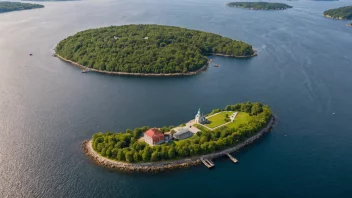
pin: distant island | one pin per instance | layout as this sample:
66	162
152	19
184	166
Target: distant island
342	13
49	0
6	6
147	50
259	5
201	139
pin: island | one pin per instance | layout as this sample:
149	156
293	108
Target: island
342	13
6	6
259	5
202	139
49	0
147	50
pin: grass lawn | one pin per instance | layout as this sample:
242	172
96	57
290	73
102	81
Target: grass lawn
241	118
218	119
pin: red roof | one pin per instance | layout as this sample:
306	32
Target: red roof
155	134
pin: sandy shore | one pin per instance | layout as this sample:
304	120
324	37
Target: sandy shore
167	165
204	68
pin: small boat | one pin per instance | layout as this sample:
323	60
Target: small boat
216	65
84	71
30	54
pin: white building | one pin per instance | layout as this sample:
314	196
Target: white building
154	137
182	133
200	118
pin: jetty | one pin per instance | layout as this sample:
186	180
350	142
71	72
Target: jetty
232	158
208	163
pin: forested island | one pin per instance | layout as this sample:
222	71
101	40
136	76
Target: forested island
344	13
259	5
50	0
17	6
147	49
207	136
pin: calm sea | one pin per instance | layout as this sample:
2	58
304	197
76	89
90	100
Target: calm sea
303	71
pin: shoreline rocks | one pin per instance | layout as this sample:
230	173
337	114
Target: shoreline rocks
168	165
204	68
338	18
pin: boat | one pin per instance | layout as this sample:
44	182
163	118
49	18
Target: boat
216	65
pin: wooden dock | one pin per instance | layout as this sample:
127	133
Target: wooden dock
208	163
232	158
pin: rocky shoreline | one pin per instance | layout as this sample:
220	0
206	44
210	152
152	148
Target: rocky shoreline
204	68
167	165
328	16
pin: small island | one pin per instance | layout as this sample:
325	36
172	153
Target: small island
202	139
259	5
147	50
342	13
17	6
49	0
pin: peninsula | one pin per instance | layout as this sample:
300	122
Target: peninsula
205	137
342	13
259	5
6	6
147	50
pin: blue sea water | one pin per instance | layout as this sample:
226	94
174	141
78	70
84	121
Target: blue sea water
302	71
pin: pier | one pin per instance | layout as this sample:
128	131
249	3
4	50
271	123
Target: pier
232	158
208	163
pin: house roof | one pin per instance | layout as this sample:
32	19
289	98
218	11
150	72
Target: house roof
154	133
181	130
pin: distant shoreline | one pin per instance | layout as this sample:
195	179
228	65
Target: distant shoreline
168	165
204	68
338	18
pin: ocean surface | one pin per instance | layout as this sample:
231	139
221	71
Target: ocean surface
303	72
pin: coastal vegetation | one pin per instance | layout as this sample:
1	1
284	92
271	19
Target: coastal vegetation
339	13
126	147
148	49
17	6
260	5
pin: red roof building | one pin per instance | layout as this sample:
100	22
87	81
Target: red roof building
154	136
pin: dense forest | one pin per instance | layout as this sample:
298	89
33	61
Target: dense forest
260	5
147	48
126	147
16	6
50	0
340	13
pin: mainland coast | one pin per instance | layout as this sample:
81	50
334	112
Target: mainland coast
169	165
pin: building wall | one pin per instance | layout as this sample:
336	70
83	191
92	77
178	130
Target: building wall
184	136
148	140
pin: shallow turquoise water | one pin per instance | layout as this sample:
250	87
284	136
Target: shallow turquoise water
303	71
